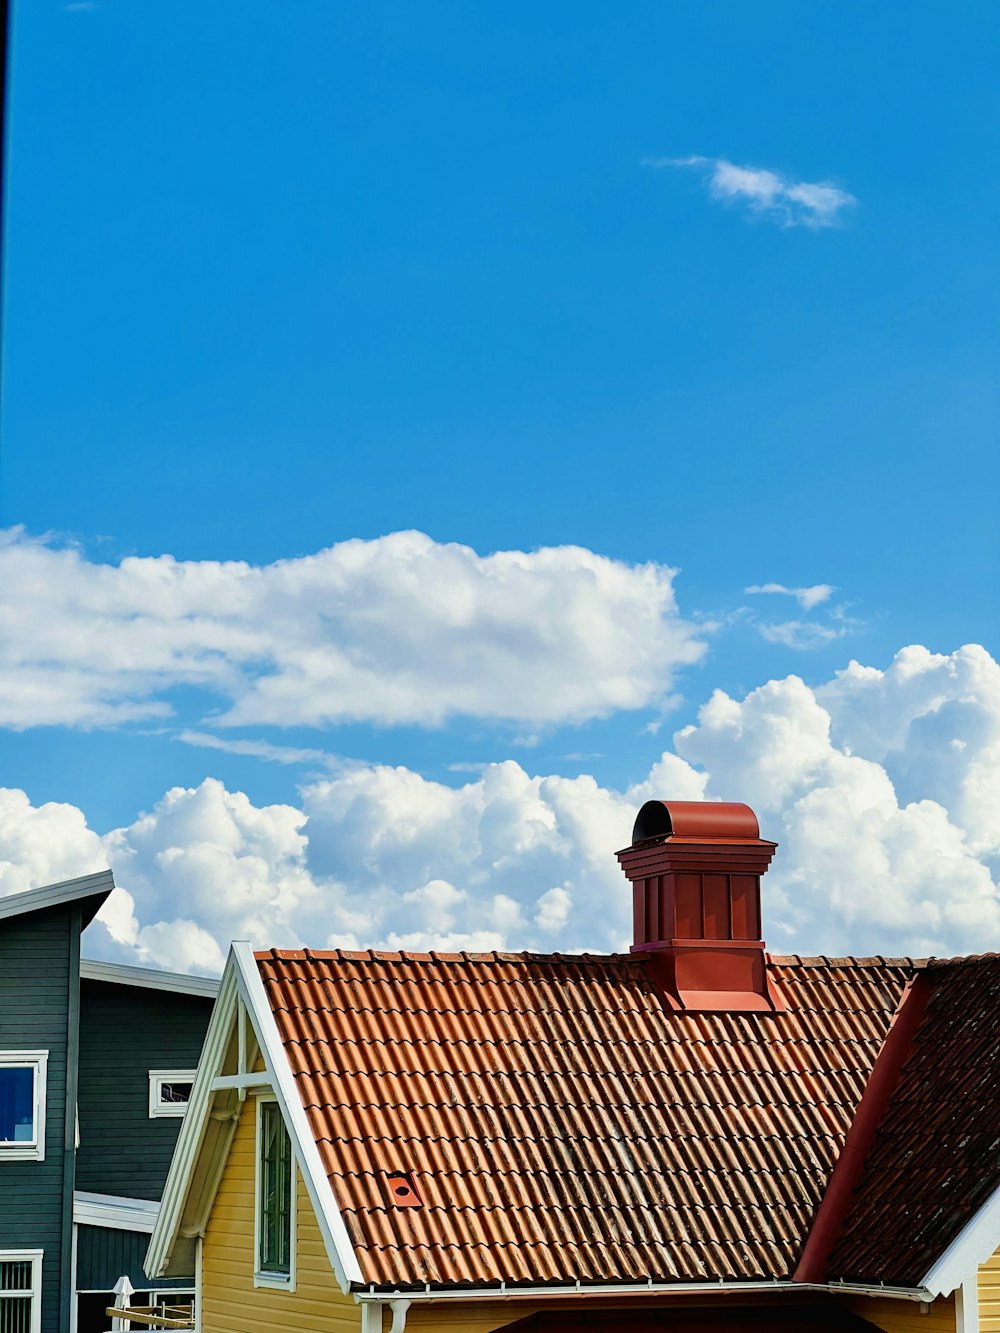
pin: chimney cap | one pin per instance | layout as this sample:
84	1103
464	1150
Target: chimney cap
706	820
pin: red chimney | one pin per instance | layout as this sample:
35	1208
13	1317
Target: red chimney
695	868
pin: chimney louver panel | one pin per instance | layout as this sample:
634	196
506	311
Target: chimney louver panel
695	869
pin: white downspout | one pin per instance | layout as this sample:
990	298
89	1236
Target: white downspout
399	1311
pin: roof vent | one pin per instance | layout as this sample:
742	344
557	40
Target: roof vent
402	1190
695	868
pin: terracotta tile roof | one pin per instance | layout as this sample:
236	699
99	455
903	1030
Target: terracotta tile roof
936	1157
560	1123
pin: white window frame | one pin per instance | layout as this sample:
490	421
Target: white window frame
34	1257
159	1109
37	1061
276	1281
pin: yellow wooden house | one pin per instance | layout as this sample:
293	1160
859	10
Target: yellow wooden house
695	1135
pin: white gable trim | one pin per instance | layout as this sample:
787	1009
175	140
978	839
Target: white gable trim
115	1211
339	1248
192	1133
56	895
973	1245
148	978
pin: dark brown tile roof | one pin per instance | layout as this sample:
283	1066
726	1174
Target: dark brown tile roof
560	1123
936	1157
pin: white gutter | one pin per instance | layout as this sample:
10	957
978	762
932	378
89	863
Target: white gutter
504	1292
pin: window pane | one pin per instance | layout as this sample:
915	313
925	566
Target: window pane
275	1192
175	1093
15	1275
15	1314
17	1105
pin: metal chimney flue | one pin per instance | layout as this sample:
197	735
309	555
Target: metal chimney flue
695	868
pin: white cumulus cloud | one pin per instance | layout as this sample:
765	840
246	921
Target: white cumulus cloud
798	633
397	630
807	598
880	787
792	203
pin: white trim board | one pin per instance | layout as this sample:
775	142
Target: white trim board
147	978
967	1306
114	1211
973	1245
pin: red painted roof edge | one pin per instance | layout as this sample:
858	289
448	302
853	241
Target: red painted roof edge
844	1178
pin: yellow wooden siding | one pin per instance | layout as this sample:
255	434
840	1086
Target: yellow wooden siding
896	1316
471	1317
230	1302
989	1295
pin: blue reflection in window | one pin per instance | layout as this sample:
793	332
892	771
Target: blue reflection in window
17	1104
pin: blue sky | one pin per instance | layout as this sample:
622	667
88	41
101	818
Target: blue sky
283	276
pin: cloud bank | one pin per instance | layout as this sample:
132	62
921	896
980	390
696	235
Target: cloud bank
880	787
398	630
767	193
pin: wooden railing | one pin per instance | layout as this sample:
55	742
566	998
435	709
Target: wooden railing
148	1316
124	1314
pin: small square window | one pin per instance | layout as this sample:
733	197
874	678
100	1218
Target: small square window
169	1091
22	1105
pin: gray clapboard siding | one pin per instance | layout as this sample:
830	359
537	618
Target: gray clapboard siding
34	984
104	1254
125	1032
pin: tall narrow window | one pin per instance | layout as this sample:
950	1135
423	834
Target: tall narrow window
20	1297
275	1198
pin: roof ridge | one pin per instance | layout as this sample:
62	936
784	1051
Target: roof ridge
584	957
439	956
962	960
843	960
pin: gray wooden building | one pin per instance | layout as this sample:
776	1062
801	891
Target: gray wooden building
96	1062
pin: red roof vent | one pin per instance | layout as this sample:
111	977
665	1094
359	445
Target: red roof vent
402	1190
695	868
